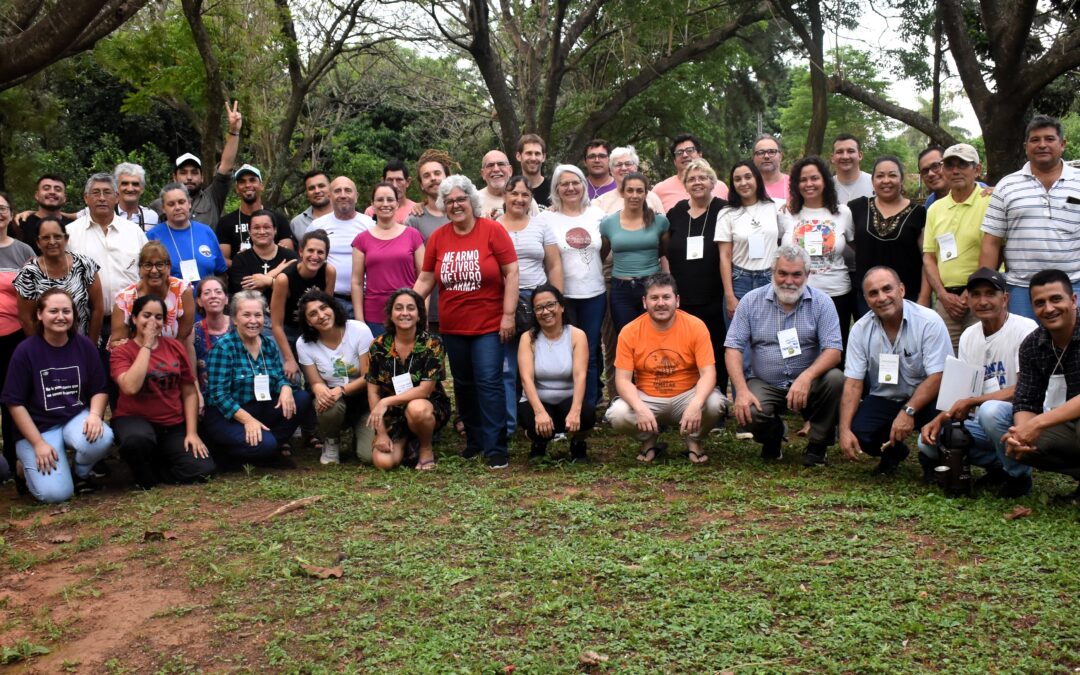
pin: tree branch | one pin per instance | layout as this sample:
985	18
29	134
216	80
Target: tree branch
882	105
963	52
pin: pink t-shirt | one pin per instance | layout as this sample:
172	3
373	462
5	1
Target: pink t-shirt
388	265
403	212
779	189
671	191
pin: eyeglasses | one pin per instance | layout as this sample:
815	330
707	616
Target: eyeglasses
51	237
5	209
697	179
570	183
771	152
625	165
931	168
453	201
101	193
493	165
595	156
685	152
546	307
159	266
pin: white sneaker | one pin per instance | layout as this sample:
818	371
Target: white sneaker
330	452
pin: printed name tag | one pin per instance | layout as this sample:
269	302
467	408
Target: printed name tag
402	383
813	242
695	248
946	247
1055	393
189	270
888	369
991	385
262	387
756	244
245	245
789	343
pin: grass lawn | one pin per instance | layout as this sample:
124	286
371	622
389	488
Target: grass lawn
734	566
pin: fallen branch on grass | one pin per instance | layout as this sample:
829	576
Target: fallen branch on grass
291	506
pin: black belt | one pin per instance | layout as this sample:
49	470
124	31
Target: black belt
955	290
343	296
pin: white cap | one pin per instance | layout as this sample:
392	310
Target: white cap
187	157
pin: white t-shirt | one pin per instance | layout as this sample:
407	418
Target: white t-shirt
999	354
341	234
832	231
862	187
737	224
578	238
337	367
492	206
529	244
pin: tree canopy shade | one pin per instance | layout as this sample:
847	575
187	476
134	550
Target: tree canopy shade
35	33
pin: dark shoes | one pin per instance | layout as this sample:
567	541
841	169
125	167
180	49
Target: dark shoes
772	450
1015	487
815	454
994	477
891	459
579	452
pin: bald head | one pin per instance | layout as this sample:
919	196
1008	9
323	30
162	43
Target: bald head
495	170
343	195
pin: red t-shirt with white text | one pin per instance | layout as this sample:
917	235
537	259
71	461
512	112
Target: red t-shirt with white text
468	270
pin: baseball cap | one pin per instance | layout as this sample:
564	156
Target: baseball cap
992	277
187	157
247	168
963	151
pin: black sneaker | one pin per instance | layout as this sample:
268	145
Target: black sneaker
891	459
499	461
772	450
1070	499
1015	487
994	477
538	451
85	486
579	452
929	469
470	453
815	454
100	470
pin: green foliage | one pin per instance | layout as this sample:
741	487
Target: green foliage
21	651
1071	126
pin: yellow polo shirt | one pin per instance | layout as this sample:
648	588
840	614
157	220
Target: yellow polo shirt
964	221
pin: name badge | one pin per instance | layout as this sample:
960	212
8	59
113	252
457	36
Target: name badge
888	369
245	245
402	383
695	248
814	243
991	385
756	245
189	270
262	387
946	247
789	343
1055	393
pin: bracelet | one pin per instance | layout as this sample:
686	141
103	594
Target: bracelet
234	133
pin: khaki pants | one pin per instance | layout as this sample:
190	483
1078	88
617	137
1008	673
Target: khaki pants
333	420
955	327
668	411
822	408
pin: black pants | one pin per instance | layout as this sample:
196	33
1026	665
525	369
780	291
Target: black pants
845	307
156	453
8	343
558	413
713	316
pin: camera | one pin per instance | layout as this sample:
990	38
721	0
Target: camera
954	468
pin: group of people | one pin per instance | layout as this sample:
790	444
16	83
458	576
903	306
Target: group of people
215	338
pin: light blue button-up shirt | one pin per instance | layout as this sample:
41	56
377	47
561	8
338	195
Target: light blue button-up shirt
922	345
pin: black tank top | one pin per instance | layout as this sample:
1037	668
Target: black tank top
297	287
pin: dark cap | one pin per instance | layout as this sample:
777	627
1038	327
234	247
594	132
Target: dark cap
992	277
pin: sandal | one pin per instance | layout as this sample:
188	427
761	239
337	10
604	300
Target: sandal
312	442
425	465
697	457
657	450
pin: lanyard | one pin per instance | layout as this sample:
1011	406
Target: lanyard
1059	358
408	366
251	361
176	246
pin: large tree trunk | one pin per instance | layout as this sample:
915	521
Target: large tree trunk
210	126
1003	136
815	135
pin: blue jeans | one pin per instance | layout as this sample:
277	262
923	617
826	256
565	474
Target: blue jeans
227	436
377	328
58	486
510	375
1020	300
874	418
476	364
588	315
995	418
626	305
743	281
982	452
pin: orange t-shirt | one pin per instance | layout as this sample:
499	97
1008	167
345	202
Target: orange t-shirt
665	363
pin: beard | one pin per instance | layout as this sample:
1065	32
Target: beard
787	295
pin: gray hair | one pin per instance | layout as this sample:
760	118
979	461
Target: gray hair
100	178
556	200
169	187
244	296
459	182
792	253
130	169
621	151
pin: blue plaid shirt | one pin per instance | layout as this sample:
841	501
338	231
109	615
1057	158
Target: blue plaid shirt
759	317
231	373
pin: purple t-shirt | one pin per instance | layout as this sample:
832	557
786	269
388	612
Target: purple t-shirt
389	264
54	384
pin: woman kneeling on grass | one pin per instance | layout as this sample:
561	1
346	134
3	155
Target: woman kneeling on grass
157	415
55	391
251	410
333	354
408	403
553	360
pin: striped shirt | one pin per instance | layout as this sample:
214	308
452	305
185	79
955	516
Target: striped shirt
1041	228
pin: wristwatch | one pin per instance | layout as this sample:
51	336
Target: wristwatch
909	410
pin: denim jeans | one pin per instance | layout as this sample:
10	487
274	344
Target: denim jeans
743	281
377	328
510	375
476	364
588	315
227	436
57	486
1020	300
626	305
874	418
994	419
